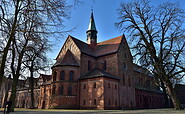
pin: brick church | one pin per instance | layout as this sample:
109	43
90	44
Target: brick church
98	75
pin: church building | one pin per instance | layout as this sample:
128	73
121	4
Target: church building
98	75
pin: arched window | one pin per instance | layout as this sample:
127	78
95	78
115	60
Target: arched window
123	79
53	90
54	76
104	65
69	90
94	101
129	82
62	75
84	86
71	73
94	85
89	65
61	90
108	85
125	66
84	102
115	86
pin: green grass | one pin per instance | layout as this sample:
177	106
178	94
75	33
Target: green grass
64	111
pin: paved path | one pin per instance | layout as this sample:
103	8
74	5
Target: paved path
148	111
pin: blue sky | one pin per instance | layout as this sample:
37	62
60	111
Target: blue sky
105	15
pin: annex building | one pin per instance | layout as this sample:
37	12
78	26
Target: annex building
95	75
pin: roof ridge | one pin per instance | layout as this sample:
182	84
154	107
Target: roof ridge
110	39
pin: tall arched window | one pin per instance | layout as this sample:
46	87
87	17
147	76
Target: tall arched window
61	90
54	76
62	75
89	65
104	65
69	90
53	90
71	73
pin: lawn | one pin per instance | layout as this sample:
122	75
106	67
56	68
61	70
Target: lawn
58	111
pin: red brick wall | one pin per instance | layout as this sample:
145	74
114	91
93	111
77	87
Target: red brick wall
147	99
89	93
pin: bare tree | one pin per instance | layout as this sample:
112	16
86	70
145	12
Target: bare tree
51	14
159	39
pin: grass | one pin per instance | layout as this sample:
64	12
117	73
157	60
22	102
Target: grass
64	111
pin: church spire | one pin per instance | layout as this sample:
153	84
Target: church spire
92	32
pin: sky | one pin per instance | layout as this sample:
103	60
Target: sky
105	16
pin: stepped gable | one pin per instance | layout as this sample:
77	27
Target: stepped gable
95	73
68	60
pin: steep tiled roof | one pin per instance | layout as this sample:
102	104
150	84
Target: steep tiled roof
95	73
108	46
102	48
68	60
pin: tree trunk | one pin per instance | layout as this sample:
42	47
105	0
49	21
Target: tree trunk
32	87
166	100
173	95
13	92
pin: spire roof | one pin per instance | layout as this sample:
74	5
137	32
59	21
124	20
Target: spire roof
92	25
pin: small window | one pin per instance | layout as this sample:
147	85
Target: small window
62	75
84	102
123	79
109	102
94	85
125	66
84	86
61	90
129	83
89	65
108	85
54	76
94	101
104	65
69	90
71	73
53	90
115	86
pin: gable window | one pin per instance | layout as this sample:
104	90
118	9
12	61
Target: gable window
71	73
89	65
104	65
54	76
69	90
61	90
62	75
